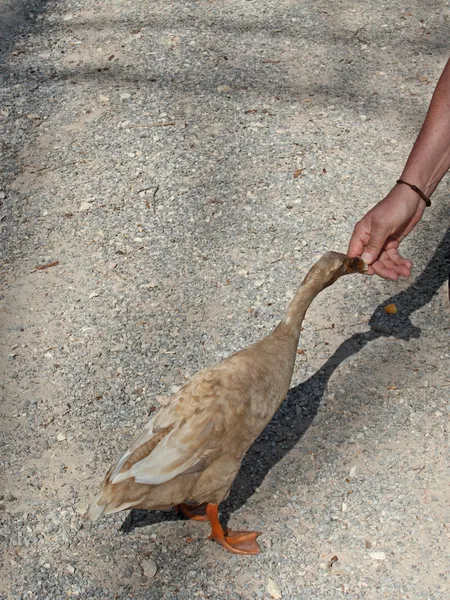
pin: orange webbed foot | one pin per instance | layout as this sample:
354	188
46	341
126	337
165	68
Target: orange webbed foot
239	542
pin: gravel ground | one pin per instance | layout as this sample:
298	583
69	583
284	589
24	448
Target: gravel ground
150	149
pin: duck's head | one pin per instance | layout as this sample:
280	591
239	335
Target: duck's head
333	265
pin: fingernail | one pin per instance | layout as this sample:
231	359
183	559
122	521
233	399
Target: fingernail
367	257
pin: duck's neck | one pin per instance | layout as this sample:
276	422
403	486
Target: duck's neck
292	322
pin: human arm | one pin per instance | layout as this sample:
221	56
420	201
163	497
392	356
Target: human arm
377	236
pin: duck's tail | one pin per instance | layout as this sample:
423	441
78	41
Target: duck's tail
95	510
100	506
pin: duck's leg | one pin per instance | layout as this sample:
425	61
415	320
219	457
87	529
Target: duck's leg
239	542
195	512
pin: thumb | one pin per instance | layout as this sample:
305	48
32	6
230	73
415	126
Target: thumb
374	246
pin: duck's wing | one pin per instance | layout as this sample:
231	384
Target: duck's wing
178	439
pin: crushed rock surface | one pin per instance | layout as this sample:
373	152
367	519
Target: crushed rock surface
151	224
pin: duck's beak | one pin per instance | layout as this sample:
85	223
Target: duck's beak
355	265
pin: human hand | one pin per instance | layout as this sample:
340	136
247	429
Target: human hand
377	236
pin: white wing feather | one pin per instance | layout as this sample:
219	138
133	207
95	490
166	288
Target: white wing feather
180	450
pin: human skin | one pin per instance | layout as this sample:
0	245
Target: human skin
377	236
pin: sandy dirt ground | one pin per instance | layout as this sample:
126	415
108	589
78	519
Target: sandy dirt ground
176	167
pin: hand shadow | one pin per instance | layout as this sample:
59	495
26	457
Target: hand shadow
297	412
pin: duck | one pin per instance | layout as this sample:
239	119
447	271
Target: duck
189	453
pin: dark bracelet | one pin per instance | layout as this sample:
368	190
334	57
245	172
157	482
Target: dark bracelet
416	189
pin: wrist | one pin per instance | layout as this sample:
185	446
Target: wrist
416	190
406	194
425	182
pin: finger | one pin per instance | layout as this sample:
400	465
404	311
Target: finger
393	261
401	262
359	239
401	270
391	270
401	265
378	238
391	244
382	271
404	271
398	259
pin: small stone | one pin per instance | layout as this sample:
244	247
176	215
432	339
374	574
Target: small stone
149	568
81	508
151	284
118	348
70	569
259	283
353	471
60	437
84	206
273	590
93	295
103	99
377	555
223	89
125	96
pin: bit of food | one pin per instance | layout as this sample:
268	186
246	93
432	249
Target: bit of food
390	309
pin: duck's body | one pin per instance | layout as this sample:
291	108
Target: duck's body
190	452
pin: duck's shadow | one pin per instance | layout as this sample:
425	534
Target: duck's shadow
301	405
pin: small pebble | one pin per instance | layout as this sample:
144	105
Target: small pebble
149	568
81	508
118	348
273	589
